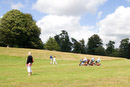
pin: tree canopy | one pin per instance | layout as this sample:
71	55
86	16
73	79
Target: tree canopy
93	43
110	47
129	51
100	51
63	41
78	46
20	30
123	48
51	44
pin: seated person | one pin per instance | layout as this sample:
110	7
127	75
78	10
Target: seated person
98	61
85	59
87	62
92	61
81	62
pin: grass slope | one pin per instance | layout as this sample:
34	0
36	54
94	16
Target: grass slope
114	72
45	54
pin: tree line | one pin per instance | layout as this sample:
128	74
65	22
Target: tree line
94	46
18	29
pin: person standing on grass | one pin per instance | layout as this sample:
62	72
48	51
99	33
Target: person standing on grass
51	58
29	63
54	60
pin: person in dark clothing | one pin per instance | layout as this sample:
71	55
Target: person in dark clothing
29	63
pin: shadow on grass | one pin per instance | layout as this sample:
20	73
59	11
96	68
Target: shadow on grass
34	74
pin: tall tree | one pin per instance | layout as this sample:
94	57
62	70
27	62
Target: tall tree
129	51
110	47
115	53
100	51
123	48
78	46
51	44
19	29
1	42
83	47
63	41
93	43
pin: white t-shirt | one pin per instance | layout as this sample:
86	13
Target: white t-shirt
54	59
98	60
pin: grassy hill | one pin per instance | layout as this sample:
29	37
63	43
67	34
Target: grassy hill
114	72
45	54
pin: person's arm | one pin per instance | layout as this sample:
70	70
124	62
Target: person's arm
32	60
27	60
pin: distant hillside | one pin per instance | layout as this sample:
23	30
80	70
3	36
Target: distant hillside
45	54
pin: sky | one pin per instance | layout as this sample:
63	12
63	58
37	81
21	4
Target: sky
110	19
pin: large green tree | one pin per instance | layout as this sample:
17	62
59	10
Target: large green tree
110	47
19	29
1	42
129	51
51	44
83	47
78	46
63	41
93	43
115	53
123	48
100	51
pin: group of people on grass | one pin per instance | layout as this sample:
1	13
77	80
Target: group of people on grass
91	62
83	62
53	60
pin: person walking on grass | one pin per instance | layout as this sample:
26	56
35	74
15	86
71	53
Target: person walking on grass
29	63
51	58
54	60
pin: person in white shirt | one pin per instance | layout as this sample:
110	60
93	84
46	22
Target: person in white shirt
54	60
92	59
85	59
98	60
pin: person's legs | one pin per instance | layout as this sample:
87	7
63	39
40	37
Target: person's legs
51	61
29	70
55	62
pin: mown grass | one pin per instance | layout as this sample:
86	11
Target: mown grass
112	73
44	54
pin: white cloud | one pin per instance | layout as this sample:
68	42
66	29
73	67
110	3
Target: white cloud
65	15
17	6
99	14
52	25
67	7
115	26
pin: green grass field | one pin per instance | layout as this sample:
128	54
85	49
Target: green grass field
114	72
